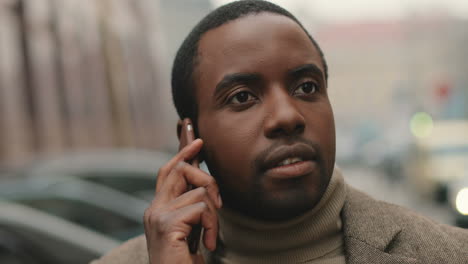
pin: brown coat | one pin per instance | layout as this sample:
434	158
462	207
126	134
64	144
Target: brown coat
374	232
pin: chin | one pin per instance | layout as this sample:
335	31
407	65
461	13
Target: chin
265	202
287	205
272	206
295	198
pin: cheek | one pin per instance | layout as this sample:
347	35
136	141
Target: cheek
322	125
230	144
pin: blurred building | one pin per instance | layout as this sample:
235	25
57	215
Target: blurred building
87	74
78	74
382	72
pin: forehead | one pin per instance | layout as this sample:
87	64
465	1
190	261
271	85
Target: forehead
257	43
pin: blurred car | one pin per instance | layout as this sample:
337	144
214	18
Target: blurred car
97	207
386	156
104	193
440	159
130	171
30	236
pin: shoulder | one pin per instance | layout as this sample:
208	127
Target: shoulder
370	220
133	251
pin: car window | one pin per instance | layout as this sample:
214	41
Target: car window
135	185
9	257
15	249
95	218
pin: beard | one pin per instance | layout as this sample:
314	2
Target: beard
255	201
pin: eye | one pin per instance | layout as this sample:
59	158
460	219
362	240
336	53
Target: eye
306	88
241	97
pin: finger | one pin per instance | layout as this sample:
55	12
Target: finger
210	232
185	154
209	222
185	200
198	213
184	174
197	195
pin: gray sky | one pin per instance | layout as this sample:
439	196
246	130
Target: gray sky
352	10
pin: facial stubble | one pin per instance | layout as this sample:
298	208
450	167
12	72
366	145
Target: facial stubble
295	198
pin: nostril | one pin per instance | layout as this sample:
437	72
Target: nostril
299	128
277	131
287	131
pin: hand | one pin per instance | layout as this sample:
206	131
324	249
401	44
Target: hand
174	210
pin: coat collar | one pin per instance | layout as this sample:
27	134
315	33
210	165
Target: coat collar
370	232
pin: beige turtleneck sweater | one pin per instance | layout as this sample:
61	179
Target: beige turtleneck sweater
315	237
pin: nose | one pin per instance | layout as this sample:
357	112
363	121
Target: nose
284	118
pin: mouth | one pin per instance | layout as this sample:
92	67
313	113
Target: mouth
290	161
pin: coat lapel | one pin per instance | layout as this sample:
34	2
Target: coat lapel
370	234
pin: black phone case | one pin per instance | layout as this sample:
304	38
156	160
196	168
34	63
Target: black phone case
186	137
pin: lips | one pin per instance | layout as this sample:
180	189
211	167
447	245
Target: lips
288	155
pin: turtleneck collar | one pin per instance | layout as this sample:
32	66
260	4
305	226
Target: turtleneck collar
313	235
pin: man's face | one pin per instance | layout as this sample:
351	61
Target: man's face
263	103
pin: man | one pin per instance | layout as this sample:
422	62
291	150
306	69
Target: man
254	82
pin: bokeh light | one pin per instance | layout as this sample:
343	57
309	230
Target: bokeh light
421	125
461	201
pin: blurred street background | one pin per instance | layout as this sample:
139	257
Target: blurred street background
86	114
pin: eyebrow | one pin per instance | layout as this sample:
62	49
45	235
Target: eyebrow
236	78
306	68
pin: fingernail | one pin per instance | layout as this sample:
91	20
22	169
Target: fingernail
220	201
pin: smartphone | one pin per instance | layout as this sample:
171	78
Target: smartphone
187	135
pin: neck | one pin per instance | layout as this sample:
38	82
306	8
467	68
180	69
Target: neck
313	234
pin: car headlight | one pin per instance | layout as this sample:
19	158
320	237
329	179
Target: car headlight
461	202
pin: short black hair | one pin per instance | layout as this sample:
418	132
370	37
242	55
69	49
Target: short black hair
183	84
